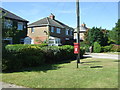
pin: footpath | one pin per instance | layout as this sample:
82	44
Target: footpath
102	55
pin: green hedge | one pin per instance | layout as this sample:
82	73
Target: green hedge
111	48
16	57
97	47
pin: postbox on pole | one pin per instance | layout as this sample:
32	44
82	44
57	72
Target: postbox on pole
76	48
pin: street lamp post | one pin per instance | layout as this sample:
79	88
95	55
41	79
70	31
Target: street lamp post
78	28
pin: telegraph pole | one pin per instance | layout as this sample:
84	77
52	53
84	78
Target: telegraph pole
78	28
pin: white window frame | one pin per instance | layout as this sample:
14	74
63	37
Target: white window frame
67	31
52	29
58	30
20	26
32	30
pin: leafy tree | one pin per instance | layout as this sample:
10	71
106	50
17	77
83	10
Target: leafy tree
96	35
115	33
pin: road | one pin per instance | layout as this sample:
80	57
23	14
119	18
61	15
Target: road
102	55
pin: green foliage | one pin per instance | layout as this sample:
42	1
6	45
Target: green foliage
96	35
15	59
106	48
115	33
115	48
85	45
97	47
18	56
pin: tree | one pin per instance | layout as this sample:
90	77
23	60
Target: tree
115	33
96	35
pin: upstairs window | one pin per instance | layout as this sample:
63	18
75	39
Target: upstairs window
32	30
52	29
8	24
20	26
58	30
67	32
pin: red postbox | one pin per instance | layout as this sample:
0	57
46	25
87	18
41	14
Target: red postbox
76	48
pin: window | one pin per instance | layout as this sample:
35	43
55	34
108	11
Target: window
67	39
67	32
22	40
8	40
32	30
52	29
71	32
20	26
8	24
58	30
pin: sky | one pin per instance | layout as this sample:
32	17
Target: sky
98	14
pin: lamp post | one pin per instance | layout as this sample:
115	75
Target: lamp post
78	28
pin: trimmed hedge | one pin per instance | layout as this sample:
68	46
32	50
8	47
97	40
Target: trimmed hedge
16	57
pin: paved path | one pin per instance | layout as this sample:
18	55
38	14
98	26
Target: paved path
6	85
102	55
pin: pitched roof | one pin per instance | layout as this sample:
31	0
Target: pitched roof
10	15
49	21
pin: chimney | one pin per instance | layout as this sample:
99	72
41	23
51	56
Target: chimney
52	16
84	25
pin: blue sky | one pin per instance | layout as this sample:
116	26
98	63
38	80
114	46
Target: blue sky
98	14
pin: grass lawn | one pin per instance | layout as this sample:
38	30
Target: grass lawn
92	73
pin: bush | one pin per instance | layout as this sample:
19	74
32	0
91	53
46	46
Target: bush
106	49
82	51
86	46
16	57
115	48
97	47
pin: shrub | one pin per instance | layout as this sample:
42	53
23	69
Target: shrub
97	47
86	46
115	48
82	51
16	57
106	49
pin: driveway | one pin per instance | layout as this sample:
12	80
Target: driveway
102	55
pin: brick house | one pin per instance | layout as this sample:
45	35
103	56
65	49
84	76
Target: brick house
51	31
82	30
14	28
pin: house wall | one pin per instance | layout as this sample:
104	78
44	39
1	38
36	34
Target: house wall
62	35
39	35
17	34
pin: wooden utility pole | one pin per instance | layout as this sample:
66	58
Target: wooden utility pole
78	28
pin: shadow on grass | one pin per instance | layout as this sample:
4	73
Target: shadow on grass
90	62
96	67
117	61
43	68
